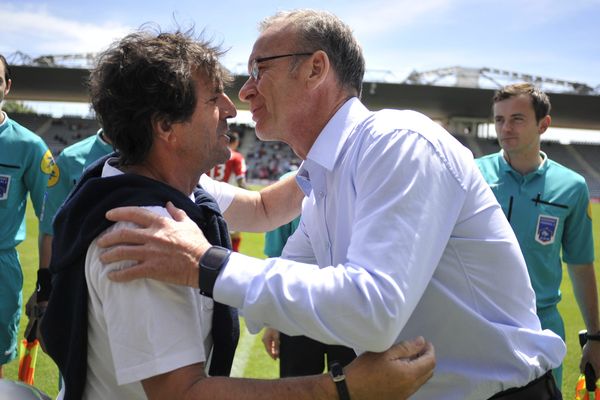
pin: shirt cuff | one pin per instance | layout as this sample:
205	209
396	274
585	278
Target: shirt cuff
235	278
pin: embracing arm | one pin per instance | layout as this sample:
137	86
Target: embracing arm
394	374
262	211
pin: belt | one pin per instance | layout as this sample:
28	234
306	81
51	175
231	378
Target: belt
542	388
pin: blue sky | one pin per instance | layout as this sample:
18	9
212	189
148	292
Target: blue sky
551	38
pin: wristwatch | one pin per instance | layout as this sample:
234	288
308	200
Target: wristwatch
210	266
594	337
337	374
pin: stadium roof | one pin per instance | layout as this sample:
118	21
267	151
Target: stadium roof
442	103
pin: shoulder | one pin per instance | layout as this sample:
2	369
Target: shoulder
387	120
488	161
81	147
564	174
22	134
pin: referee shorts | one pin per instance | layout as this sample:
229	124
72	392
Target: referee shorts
11	284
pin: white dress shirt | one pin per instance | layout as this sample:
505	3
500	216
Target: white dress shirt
401	237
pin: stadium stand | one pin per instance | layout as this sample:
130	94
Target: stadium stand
267	161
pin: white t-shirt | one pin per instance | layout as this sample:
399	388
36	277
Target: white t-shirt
139	329
221	191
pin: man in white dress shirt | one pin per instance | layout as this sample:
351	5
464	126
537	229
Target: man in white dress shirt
400	235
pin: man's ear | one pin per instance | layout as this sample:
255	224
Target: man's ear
162	128
7	88
544	124
319	68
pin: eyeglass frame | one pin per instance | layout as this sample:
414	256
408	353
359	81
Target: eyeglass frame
253	70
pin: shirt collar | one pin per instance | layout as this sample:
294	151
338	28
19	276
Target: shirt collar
505	166
332	138
5	120
110	169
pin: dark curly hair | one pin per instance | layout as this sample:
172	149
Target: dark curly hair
145	76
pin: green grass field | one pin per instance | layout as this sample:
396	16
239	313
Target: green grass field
251	359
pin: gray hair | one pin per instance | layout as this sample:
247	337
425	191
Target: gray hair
321	30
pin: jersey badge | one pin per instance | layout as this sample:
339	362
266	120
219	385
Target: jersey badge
546	229
4	186
54	175
47	163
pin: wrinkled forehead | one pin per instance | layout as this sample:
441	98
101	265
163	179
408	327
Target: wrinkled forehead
274	40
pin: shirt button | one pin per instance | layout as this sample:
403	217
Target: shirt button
321	194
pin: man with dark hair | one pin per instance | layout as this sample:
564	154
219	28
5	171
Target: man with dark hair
400	234
160	99
548	207
25	165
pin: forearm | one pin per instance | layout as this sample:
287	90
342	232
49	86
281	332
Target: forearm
289	296
45	249
318	387
395	374
266	210
583	279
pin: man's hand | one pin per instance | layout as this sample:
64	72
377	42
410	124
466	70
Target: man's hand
395	374
271	341
591	354
35	311
165	249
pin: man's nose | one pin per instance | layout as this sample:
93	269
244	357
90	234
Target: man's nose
228	109
247	90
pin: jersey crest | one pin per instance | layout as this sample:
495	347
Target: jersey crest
4	186
54	175
546	229
47	163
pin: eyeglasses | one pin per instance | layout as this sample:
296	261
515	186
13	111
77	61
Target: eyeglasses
253	72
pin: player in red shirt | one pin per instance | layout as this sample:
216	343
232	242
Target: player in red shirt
233	169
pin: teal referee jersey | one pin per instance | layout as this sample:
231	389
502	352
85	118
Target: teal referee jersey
25	166
549	210
69	167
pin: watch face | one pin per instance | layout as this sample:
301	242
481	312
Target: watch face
336	370
215	257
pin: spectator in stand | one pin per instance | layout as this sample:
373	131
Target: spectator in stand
26	163
233	169
548	207
298	355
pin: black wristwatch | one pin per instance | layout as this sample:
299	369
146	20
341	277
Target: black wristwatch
210	266
594	337
337	374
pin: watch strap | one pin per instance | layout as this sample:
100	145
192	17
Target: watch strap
211	263
337	374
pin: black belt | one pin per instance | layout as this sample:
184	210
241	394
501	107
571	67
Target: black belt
542	388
